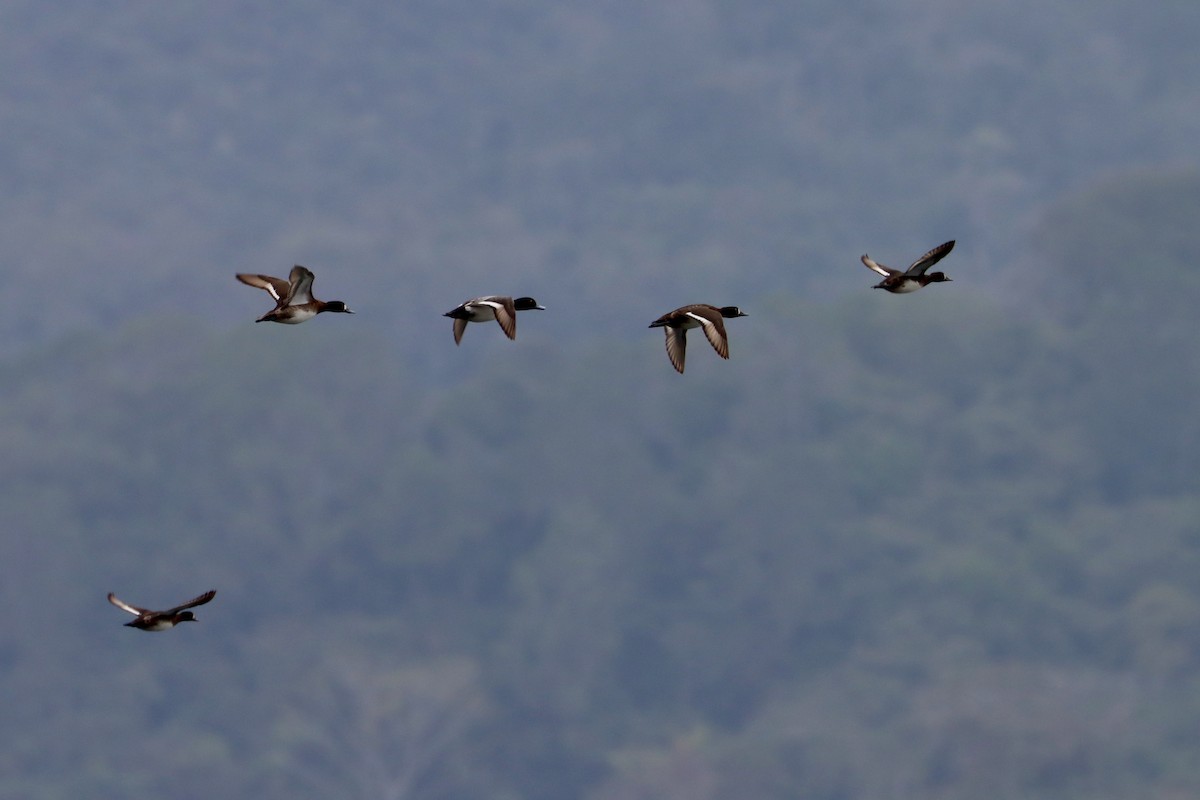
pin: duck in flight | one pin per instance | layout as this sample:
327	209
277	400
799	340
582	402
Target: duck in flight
914	277
699	315
294	301
148	620
491	307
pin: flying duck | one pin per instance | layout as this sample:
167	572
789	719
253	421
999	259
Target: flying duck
699	315
161	620
914	277
482	309
294	302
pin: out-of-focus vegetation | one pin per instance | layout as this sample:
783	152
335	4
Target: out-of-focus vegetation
418	153
943	545
896	546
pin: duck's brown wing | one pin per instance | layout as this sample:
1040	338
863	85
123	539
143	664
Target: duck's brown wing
121	604
929	259
195	601
300	282
875	266
460	327
713	326
676	346
506	314
278	288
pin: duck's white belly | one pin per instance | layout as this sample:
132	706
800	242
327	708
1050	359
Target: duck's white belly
482	313
162	625
298	314
906	287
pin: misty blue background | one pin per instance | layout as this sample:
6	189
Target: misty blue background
941	545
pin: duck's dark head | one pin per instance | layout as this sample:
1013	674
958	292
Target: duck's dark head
937	277
337	307
527	304
185	616
729	312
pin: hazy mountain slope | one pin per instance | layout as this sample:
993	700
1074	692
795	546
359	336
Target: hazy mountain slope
895	544
420	153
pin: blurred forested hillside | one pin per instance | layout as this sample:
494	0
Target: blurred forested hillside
421	152
896	546
938	546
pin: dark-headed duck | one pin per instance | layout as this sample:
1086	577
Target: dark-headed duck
294	301
914	277
699	315
148	620
492	307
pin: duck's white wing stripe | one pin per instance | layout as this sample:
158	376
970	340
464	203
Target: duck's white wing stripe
272	286
714	333
121	604
873	265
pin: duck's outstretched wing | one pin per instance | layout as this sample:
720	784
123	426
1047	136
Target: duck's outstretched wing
278	288
714	328
300	281
676	346
929	259
875	266
195	601
121	604
506	315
